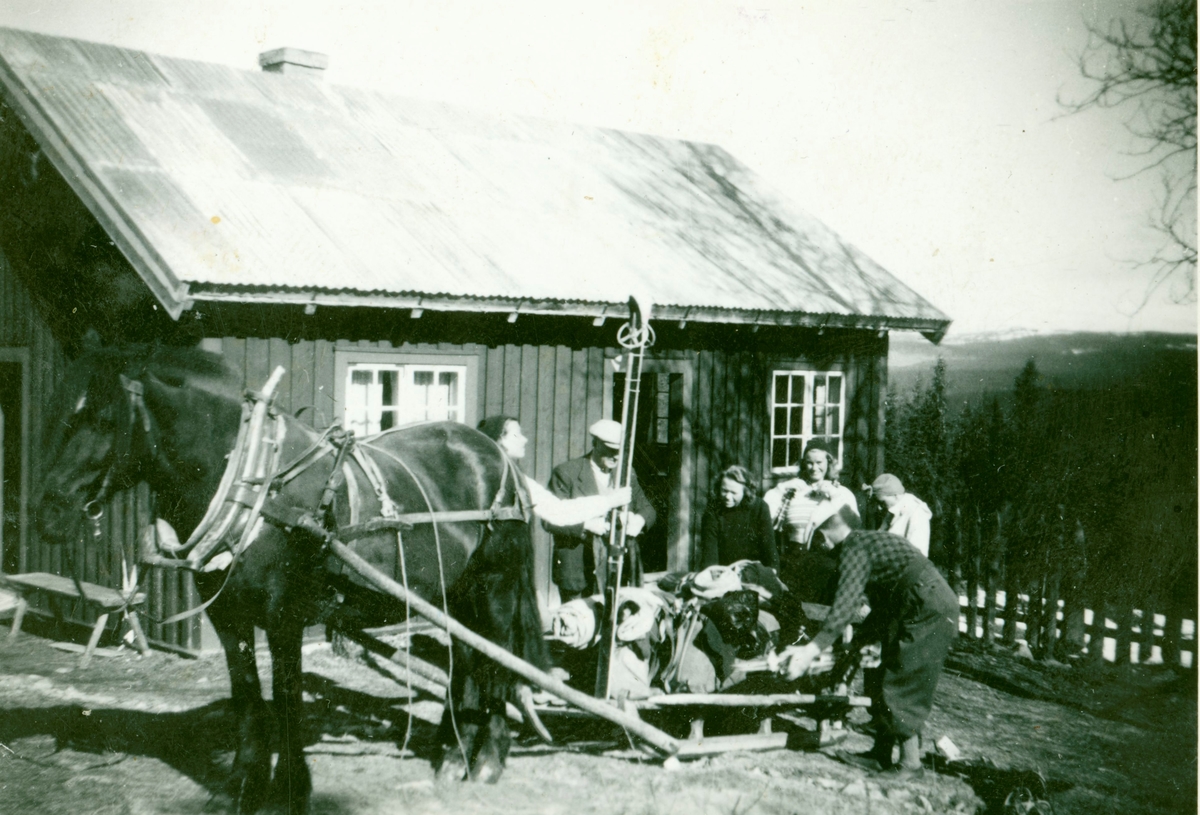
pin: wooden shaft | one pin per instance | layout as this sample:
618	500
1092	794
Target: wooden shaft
520	667
745	700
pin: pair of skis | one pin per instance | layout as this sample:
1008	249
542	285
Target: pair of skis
634	337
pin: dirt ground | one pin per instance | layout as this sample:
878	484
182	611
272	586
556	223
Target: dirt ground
132	735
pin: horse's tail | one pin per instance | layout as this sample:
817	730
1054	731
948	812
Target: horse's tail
495	597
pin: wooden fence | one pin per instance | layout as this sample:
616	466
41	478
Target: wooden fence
1051	615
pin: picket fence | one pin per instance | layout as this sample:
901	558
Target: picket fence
1052	615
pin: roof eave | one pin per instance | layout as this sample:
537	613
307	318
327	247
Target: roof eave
170	292
931	327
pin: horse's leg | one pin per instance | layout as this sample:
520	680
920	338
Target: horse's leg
252	762
491	748
293	781
462	721
496	598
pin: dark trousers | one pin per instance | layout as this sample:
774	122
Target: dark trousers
921	623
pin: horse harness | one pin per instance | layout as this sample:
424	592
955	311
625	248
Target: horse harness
250	489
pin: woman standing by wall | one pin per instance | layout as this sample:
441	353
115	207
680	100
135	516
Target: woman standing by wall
737	524
811	574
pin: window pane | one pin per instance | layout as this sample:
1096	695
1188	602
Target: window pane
835	389
781	389
781	423
360	377
819	391
661	432
818	422
779	453
835	446
387	420
796	426
797	390
835	420
422	378
449	381
388	380
794	450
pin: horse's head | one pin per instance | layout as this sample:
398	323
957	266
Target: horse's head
96	429
116	419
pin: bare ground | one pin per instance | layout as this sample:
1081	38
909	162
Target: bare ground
153	735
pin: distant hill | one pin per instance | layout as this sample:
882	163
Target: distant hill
981	366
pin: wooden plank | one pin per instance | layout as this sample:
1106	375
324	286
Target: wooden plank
172	605
493	382
324	385
563	407
528	412
702	430
258	362
157	596
972	570
545	412
303	382
750	411
597	384
579	401
1124	633
718	457
755	700
1050	616
1172	636
875	462
512	381
102	596
715	745
193	624
279	352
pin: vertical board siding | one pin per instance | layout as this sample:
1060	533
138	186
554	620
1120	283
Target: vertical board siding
556	391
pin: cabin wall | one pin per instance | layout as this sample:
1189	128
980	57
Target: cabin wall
557	390
555	376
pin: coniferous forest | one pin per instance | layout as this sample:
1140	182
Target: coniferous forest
1081	495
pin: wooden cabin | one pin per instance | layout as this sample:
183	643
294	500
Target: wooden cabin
409	260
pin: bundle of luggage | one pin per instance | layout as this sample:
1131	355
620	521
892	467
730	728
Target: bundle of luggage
689	633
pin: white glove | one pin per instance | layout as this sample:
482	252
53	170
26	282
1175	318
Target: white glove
795	660
597	526
619	497
635	525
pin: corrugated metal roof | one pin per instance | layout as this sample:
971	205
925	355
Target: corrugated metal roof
228	183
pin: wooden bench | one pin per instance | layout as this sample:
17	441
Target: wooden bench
106	599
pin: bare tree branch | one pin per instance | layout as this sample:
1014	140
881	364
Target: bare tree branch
1148	64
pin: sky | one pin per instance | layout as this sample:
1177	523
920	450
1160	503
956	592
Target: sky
929	134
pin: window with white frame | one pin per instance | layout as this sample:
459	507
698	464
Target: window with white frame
805	405
380	391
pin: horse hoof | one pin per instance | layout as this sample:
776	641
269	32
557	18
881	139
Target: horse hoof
486	772
452	767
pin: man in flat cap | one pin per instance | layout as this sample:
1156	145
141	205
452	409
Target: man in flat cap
915	613
580	551
907	515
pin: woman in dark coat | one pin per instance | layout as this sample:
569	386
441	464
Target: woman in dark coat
737	524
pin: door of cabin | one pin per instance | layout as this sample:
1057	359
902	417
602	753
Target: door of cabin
662	454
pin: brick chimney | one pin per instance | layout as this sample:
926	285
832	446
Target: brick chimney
293	61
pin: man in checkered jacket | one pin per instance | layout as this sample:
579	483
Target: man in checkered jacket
913	610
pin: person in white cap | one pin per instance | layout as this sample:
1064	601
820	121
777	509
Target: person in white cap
506	432
579	550
907	515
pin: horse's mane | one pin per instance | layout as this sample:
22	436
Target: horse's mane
97	371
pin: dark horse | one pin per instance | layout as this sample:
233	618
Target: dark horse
175	430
